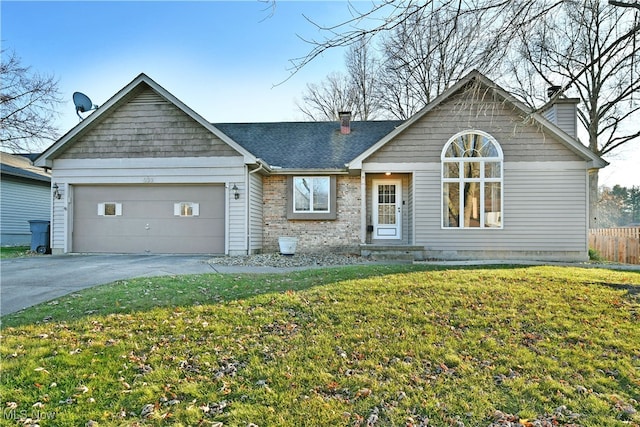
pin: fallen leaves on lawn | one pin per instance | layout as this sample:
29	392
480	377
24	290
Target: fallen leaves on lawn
561	416
82	389
363	392
147	410
215	408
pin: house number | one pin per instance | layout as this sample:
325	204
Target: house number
147	180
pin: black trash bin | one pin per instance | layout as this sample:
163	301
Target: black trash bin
40	236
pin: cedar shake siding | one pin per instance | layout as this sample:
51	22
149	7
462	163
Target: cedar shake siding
147	126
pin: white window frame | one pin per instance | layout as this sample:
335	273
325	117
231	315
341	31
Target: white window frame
461	180
178	209
311	209
102	209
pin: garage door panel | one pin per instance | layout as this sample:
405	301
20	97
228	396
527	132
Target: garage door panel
183	246
182	227
115	244
147	222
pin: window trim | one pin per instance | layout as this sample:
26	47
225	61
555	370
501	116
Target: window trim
331	215
482	180
102	209
195	209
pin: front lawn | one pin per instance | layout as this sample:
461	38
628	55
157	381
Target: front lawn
364	346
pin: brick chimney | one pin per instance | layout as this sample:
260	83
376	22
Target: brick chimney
563	112
345	122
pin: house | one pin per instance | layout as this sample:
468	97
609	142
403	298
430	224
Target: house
25	194
474	174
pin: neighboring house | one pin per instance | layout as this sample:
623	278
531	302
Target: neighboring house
472	175
25	194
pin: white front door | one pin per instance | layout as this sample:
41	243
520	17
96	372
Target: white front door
387	201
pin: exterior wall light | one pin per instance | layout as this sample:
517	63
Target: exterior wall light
56	191
236	193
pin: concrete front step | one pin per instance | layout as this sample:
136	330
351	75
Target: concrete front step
407	253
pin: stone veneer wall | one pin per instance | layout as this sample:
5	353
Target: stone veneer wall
339	235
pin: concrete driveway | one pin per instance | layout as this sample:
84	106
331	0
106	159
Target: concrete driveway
31	280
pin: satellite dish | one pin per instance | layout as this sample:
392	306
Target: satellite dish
83	103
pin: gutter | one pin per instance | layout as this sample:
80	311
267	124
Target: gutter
261	166
277	170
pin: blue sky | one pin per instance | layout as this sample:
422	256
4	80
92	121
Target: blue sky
226	60
223	59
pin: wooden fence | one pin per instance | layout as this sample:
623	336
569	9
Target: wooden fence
616	244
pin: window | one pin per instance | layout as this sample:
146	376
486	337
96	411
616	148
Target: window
109	209
387	207
186	209
311	197
472	181
311	194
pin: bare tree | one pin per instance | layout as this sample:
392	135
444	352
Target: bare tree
28	104
429	51
425	47
420	58
322	101
363	69
352	92
629	3
592	50
376	18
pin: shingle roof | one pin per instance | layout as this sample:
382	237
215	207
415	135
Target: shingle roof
21	166
307	145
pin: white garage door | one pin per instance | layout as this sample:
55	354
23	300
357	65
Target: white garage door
149	219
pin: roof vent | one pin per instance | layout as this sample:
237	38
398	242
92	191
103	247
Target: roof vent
345	122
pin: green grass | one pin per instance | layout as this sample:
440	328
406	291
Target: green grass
14	251
388	345
594	255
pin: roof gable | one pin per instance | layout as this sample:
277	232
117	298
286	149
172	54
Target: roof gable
137	90
485	86
296	145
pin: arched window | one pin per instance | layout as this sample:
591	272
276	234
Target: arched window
472	181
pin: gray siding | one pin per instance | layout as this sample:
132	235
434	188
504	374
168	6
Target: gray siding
21	201
551	115
545	216
255	213
563	115
544	184
60	217
238	218
520	140
410	210
147	126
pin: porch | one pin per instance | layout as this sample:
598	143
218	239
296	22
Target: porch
396	253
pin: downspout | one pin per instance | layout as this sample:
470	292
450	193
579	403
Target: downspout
363	207
51	214
259	168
